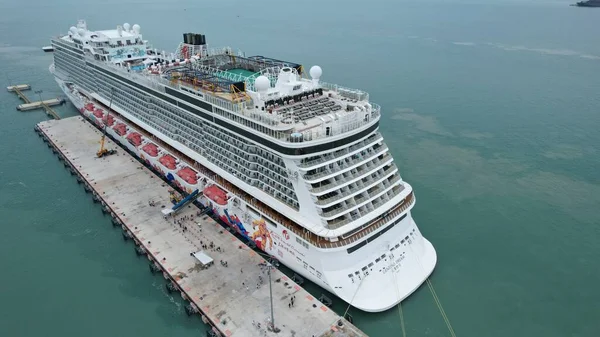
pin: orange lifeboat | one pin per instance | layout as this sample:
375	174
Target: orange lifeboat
190	176
151	149
168	161
120	129
98	113
216	194
110	120
134	139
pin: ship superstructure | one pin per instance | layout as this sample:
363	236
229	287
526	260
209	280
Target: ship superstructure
293	163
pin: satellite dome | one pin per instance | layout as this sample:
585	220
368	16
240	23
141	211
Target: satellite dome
73	29
315	72
262	83
126	26
81	31
136	28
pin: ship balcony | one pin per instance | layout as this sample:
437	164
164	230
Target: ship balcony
353	203
249	152
354	175
268	169
353	190
233	169
383	219
380	200
230	140
332	157
250	174
347	165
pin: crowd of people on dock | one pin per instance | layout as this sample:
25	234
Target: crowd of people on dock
192	231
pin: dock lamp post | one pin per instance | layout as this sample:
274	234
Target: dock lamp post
39	92
272	325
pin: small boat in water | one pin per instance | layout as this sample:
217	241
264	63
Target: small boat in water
588	3
48	49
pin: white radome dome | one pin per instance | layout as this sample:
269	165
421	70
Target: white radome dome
73	29
136	28
262	83
81	31
126	26
316	72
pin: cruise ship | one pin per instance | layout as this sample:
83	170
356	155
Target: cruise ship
292	163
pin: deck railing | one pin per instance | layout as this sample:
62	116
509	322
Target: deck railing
258	121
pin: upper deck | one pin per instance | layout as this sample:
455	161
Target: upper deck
273	98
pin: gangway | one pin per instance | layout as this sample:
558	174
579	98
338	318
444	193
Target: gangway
190	197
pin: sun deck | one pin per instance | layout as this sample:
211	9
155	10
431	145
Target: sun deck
311	110
242	72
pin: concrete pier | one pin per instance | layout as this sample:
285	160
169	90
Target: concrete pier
18	87
232	299
28	105
39	104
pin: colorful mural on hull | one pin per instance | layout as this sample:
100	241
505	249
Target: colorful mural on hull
281	245
237	224
261	235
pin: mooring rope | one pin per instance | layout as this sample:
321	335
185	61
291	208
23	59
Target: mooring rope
436	298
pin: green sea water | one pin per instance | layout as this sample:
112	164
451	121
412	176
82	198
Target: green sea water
491	109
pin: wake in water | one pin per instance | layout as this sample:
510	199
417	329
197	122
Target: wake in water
545	51
17	183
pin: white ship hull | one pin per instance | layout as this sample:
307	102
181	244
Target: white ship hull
401	271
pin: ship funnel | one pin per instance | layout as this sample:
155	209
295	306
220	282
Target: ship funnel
285	75
81	24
